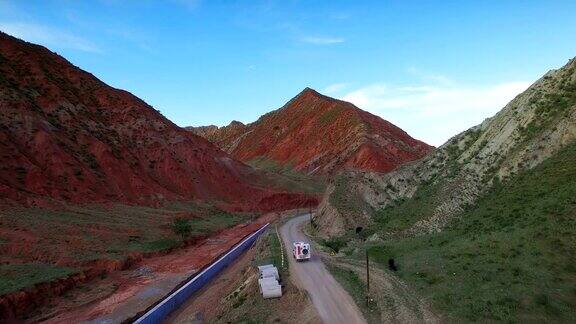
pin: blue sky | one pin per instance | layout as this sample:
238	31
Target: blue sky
434	68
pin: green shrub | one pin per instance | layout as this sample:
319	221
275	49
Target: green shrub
335	244
182	227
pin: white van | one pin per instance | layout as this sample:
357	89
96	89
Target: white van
301	251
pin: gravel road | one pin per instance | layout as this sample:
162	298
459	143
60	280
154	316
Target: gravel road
332	302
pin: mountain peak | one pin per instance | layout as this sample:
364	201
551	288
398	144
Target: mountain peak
236	123
309	92
317	134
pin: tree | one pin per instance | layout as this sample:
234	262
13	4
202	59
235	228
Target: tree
182	227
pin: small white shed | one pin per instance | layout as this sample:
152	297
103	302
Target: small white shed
268	281
270	273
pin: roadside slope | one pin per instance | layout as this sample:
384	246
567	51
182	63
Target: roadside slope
146	283
234	297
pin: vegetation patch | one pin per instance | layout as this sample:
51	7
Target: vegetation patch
155	245
405	212
100	232
345	200
215	222
262	162
286	177
330	115
271	253
550	107
335	243
14	277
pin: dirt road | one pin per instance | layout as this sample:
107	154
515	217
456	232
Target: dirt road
332	302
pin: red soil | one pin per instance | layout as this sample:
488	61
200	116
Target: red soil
21	302
319	135
198	254
134	293
67	136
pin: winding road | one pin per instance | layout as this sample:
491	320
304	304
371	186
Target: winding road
333	303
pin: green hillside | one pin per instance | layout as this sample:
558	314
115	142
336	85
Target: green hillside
510	257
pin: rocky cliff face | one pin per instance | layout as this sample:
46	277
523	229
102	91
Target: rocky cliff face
318	135
531	128
67	136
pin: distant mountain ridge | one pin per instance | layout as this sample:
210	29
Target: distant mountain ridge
224	137
317	134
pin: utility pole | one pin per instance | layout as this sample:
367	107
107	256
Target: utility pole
367	279
310	213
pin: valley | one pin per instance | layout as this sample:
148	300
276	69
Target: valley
93	181
107	207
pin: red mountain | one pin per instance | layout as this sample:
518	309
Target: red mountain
317	134
68	136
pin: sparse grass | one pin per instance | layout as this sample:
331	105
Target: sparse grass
510	258
357	290
215	222
405	212
154	246
286	177
14	277
265	163
99	232
330	115
271	253
85	233
345	200
335	243
550	107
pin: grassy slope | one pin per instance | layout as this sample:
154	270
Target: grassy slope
285	177
14	277
408	211
512	257
342	198
81	234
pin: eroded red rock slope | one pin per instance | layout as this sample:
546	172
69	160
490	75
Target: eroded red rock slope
319	135
68	136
